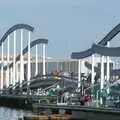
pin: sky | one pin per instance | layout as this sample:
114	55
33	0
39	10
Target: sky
69	25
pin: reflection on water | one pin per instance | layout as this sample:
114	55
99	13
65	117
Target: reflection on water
12	114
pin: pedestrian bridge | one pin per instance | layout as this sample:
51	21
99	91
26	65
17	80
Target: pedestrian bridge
20	73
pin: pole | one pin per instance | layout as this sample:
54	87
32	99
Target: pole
8	61
43	59
108	64
29	63
108	68
102	77
79	73
21	59
93	73
36	61
102	73
14	59
2	69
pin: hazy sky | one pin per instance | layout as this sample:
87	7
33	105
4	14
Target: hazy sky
70	25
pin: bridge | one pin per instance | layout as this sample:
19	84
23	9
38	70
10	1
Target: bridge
29	77
103	49
11	68
23	72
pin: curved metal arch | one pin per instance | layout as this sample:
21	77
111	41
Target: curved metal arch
16	27
32	44
108	37
35	42
105	51
83	54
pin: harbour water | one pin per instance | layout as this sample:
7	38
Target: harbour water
12	114
19	114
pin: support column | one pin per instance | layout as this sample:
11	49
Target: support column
29	63
102	73
36	61
93	73
1	84
79	73
8	62
14	59
43	59
21	59
108	65
102	78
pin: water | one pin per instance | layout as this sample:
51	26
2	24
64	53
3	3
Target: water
12	114
15	114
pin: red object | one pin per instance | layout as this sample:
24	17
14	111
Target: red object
56	73
59	94
86	98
